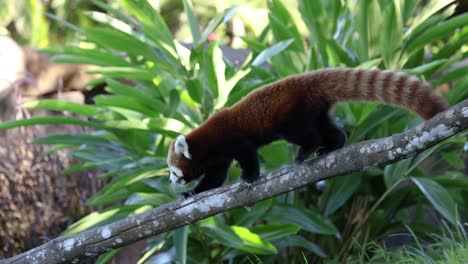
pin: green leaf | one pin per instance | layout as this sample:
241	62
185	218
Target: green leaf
124	90
453	180
124	182
340	54
125	72
271	51
238	237
253	243
96	219
442	30
458	91
118	40
391	33
425	68
450	48
215	68
258	210
65	23
416	161
375	119
292	59
362	30
439	197
274	232
107	257
87	56
126	103
215	22
194	89
456	74
299	241
426	14
174	100
282	25
454	159
275	155
396	171
76	139
307	219
408	7
154	26
108	198
313	15
154	247
193	21
224	93
155	199
60	105
223	234
254	45
47	120
180	241
339	191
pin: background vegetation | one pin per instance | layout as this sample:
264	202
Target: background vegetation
175	88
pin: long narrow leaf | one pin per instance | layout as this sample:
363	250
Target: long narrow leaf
47	120
59	105
439	197
193	21
180	241
271	51
442	30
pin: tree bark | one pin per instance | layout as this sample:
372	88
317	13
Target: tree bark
357	157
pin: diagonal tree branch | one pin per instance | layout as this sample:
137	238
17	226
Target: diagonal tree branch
349	159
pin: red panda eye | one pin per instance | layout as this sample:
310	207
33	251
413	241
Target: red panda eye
175	174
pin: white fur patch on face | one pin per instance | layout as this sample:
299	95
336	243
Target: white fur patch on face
181	147
176	176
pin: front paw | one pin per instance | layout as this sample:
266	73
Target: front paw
299	159
186	195
249	179
244	185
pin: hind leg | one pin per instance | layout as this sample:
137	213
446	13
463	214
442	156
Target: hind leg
303	132
332	137
306	149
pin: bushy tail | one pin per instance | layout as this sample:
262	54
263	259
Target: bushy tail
389	87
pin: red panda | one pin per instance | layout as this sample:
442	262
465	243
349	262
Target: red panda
295	109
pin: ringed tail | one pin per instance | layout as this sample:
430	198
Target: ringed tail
390	87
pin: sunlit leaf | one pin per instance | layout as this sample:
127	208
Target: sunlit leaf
193	21
271	51
60	105
52	120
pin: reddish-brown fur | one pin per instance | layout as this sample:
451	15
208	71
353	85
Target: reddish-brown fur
278	109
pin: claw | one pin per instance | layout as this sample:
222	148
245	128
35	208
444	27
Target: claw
244	185
186	195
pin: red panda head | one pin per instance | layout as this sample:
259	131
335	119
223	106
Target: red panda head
179	162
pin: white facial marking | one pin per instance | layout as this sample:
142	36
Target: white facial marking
177	171
182	147
176	176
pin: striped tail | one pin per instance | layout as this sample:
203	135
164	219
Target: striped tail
390	87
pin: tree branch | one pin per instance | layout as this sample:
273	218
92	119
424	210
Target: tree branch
349	159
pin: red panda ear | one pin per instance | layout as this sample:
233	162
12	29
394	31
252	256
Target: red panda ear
182	147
